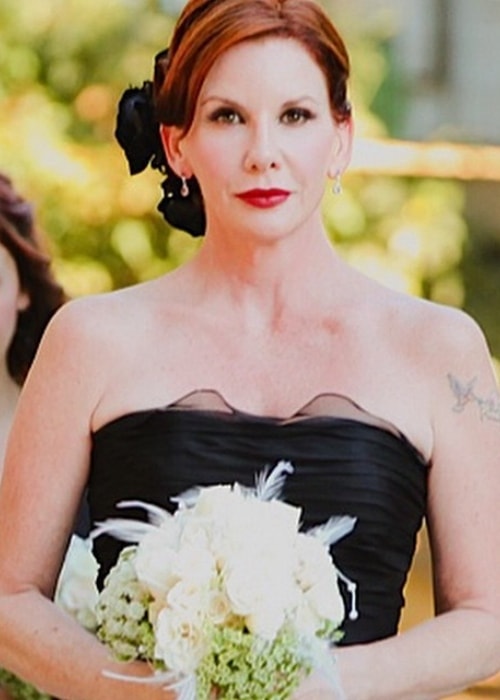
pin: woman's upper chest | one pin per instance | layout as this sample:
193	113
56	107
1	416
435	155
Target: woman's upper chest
274	374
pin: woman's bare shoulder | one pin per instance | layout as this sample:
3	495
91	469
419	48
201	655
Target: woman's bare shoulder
100	317
430	340
433	329
445	348
89	336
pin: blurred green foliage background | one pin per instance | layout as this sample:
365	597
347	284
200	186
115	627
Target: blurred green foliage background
63	66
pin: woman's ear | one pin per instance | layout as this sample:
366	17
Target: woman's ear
171	138
342	150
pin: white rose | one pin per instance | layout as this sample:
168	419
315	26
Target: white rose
154	562
270	525
76	592
218	607
263	599
266	620
194	564
195	530
245	590
188	595
223	547
213	502
180	642
273	523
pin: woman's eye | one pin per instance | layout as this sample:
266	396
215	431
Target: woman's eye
225	115
297	115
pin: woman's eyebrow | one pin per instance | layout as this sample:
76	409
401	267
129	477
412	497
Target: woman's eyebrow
234	103
216	98
301	98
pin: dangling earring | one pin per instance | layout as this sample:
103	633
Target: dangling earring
337	184
184	187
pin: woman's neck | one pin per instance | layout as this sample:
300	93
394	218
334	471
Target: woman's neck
265	277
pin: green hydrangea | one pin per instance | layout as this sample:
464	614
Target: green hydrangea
330	632
122	613
240	667
19	689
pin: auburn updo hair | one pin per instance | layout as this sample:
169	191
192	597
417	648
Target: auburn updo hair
208	28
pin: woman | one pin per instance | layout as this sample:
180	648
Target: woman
29	295
265	346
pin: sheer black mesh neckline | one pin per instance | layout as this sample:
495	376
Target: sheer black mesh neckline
324	406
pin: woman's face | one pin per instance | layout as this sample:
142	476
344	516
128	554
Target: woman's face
263	139
12	300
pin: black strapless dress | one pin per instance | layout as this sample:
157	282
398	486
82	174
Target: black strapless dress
347	462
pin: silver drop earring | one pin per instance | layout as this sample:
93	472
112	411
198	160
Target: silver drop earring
184	187
337	184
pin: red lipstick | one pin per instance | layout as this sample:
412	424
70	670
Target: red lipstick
264	198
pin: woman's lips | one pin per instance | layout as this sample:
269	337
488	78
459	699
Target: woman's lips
264	199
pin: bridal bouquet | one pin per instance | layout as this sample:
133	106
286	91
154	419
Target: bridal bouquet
226	594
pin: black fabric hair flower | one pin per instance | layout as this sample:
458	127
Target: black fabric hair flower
138	133
136	129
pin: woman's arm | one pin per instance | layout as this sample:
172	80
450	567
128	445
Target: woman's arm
462	644
46	469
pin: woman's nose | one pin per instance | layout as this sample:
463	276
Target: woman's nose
262	150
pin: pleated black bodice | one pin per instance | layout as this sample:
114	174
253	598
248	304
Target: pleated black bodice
346	462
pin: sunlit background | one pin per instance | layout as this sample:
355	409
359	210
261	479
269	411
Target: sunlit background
421	204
